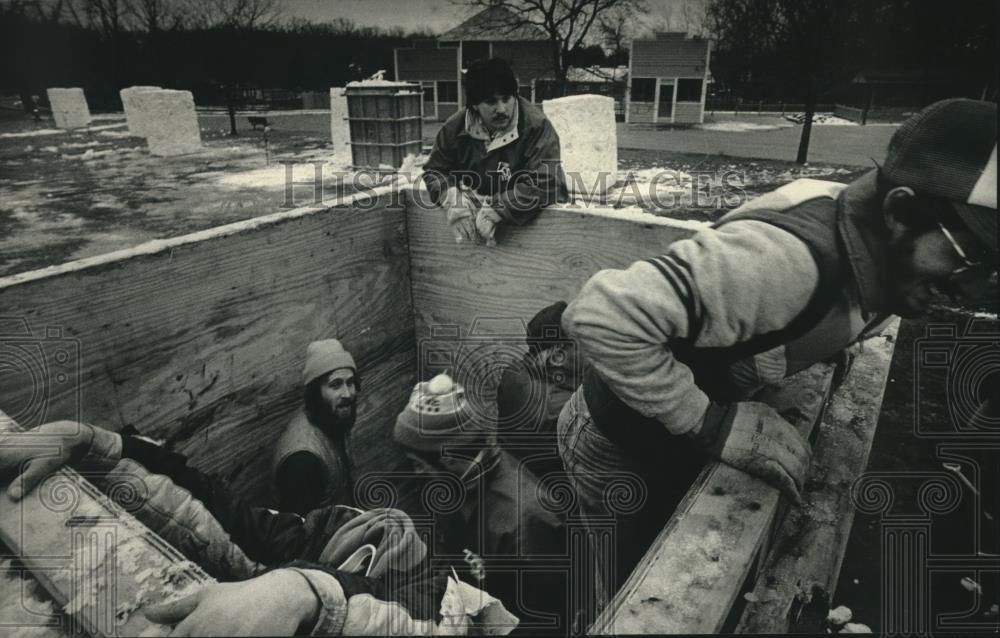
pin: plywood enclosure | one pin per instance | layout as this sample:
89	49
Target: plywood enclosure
475	302
200	340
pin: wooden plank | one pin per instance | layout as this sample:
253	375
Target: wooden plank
692	575
200	340
812	540
99	563
476	301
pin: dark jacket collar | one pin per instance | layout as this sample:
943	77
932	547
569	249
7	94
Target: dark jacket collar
863	231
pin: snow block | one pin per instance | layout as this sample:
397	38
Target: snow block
69	108
134	116
340	128
588	140
169	121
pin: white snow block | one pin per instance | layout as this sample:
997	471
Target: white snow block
134	117
588	140
340	128
170	123
69	108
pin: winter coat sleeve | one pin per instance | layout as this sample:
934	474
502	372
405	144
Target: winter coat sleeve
539	181
717	288
438	168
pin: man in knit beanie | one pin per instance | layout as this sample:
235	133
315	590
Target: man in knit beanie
310	467
500	517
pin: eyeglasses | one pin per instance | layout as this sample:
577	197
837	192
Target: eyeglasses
971	269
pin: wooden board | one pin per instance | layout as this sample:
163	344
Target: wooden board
477	301
812	540
690	579
200	340
99	564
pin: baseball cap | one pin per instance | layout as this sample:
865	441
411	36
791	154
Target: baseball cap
949	150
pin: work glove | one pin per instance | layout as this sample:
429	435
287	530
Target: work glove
754	438
460	212
45	450
486	225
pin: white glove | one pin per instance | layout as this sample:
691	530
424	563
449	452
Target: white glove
460	210
486	225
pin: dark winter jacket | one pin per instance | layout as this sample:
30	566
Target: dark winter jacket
521	175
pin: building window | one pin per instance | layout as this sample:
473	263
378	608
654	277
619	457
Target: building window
447	91
643	89
689	90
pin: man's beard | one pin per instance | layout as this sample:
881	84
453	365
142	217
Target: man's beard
339	421
909	295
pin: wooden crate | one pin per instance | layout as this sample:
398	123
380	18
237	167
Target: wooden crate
385	122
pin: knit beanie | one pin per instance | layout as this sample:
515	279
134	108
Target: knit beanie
436	414
324	356
545	328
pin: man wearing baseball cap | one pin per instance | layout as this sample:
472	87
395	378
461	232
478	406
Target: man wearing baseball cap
310	467
497	517
678	344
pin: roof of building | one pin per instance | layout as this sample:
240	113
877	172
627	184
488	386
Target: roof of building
495	24
597	74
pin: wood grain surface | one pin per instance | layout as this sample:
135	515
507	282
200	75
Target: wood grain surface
200	340
812	540
691	578
99	564
476	301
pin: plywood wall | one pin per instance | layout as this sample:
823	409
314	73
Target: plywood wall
200	340
476	301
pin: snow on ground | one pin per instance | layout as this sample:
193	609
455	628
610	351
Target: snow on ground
740	127
821	119
41	131
276	175
59	131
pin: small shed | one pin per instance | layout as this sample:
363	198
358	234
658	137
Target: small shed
668	75
437	65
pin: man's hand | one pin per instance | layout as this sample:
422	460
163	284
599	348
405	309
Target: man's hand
461	215
486	224
66	441
754	438
277	603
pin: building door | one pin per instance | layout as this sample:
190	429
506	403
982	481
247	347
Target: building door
665	102
430	100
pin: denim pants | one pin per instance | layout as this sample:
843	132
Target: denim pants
623	500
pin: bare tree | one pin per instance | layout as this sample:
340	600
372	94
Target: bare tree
808	38
569	24
153	16
233	14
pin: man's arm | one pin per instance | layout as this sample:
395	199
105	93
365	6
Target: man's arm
439	166
539	182
717	288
